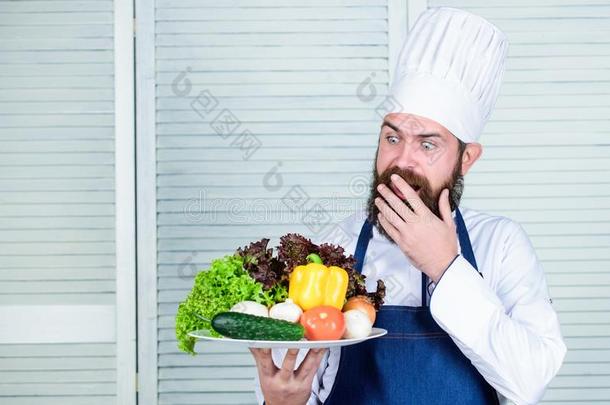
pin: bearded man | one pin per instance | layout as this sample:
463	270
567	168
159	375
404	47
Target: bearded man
467	309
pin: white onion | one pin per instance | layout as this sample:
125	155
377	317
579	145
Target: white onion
357	324
251	307
287	311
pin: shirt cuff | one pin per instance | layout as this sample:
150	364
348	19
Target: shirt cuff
447	268
463	304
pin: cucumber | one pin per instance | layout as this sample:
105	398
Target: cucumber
237	325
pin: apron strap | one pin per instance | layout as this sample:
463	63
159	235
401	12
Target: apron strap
424	289
366	233
465	244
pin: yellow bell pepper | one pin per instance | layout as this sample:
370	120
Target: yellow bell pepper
314	284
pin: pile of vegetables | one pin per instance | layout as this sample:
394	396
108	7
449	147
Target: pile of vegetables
301	290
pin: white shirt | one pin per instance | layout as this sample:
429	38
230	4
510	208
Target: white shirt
503	322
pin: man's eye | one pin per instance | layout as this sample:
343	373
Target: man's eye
428	145
392	139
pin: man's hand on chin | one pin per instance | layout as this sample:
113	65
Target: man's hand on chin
430	243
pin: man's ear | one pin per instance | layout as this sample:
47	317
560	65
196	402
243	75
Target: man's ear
471	154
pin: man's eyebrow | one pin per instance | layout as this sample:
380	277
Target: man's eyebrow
430	135
389	124
424	135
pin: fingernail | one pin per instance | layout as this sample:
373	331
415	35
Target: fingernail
394	177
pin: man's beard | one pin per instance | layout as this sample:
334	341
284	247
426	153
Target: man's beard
429	197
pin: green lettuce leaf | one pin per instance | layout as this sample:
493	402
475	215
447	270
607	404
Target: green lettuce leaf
216	290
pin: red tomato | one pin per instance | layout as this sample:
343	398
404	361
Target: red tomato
323	323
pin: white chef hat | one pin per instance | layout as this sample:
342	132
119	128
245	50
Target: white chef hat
450	70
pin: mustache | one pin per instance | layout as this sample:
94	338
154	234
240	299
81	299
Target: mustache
410	177
428	196
416	181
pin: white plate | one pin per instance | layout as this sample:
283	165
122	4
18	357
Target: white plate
287	344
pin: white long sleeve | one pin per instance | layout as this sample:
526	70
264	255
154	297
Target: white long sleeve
511	332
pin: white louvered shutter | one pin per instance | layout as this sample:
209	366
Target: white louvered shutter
289	72
57	203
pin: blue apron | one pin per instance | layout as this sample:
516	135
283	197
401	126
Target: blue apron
416	363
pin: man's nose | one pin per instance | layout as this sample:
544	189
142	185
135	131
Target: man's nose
407	158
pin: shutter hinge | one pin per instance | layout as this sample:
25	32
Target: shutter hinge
134	27
137	382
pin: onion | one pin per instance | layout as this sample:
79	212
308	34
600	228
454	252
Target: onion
361	303
287	311
251	307
357	324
